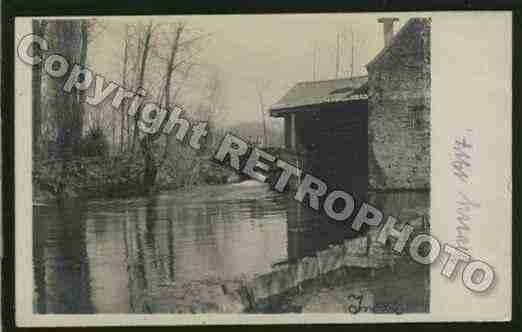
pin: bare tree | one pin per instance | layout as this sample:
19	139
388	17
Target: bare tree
353	46
260	87
315	59
215	103
124	81
171	66
337	55
141	76
151	169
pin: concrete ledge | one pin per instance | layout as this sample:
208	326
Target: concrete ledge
357	246
330	259
356	252
307	268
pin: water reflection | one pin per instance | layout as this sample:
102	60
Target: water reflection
62	270
117	256
310	231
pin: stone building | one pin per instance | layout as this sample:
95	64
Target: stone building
370	132
399	97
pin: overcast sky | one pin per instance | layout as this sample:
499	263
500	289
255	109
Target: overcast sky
276	51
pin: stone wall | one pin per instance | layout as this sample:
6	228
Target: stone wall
399	111
353	253
362	253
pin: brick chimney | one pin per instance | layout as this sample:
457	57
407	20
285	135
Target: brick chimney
388	23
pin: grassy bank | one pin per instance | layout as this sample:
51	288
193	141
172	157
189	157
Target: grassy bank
119	176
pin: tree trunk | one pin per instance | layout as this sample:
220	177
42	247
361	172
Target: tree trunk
39	29
66	36
143	66
82	95
262	110
151	170
124	81
168	84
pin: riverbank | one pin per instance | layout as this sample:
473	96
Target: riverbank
117	177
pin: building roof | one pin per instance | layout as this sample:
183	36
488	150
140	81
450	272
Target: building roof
320	92
344	89
413	25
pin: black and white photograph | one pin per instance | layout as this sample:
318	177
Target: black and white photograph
254	165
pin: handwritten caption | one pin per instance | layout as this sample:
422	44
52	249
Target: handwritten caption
462	167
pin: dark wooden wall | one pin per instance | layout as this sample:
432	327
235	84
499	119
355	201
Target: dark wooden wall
334	142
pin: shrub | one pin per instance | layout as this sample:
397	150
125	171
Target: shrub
94	143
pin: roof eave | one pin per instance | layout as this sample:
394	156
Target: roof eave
278	111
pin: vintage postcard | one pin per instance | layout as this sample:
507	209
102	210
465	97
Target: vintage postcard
262	169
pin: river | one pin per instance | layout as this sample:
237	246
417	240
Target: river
119	255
